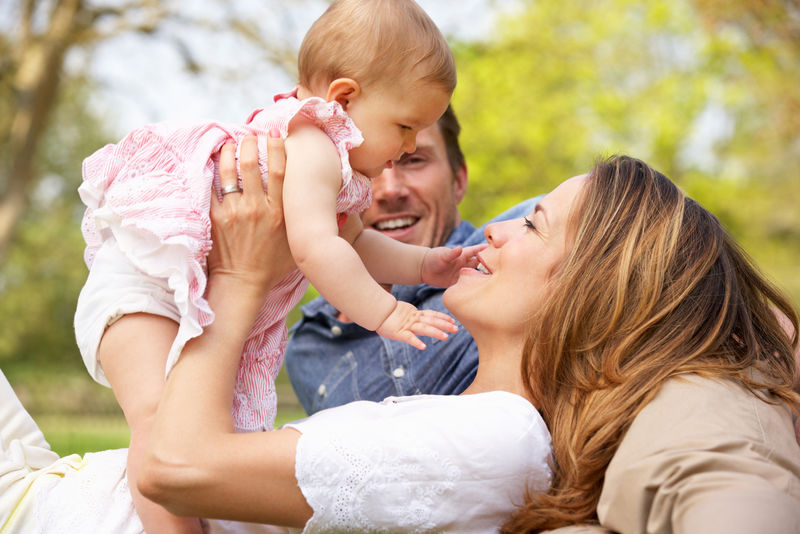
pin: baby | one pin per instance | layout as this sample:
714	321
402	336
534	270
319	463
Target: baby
372	73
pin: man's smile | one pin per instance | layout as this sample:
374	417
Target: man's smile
395	223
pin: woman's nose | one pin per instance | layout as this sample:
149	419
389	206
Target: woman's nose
495	234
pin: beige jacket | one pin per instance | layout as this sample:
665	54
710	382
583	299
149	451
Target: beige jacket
703	457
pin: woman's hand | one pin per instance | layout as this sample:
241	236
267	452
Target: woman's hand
193	421
247	228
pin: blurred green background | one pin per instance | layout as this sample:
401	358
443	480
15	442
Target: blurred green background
708	91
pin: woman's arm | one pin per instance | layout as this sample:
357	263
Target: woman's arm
195	463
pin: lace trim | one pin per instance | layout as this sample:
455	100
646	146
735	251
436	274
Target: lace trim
349	484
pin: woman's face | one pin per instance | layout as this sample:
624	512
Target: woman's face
508	285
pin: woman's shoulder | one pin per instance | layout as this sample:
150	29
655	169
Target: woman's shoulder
494	412
500	410
500	430
694	405
700	446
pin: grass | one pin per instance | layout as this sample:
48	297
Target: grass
70	433
76	433
77	415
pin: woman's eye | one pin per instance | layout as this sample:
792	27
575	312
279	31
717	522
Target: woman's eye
529	224
404	127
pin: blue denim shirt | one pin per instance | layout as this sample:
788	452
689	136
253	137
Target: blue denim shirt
331	363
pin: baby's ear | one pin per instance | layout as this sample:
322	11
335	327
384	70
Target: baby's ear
343	91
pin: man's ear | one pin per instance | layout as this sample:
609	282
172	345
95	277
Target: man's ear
343	91
460	183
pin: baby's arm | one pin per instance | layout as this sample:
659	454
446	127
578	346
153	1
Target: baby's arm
313	178
392	262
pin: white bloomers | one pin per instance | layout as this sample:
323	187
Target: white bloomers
115	288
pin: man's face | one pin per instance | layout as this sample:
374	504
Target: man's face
416	201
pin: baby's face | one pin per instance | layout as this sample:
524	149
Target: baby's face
389	118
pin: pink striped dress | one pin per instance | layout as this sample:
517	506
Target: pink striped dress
150	194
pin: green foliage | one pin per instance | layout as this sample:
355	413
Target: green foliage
565	82
41	278
44	271
755	58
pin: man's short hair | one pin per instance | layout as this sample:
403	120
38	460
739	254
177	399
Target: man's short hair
450	129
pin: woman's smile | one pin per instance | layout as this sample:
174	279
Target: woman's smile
513	271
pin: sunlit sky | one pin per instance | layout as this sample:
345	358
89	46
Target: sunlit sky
141	80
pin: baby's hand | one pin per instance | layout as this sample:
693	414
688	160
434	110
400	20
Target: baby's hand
406	322
440	265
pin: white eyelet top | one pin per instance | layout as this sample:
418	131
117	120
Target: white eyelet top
425	463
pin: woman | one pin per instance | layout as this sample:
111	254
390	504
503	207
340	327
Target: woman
464	462
41	493
621	284
665	375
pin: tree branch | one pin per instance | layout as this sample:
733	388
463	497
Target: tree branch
35	87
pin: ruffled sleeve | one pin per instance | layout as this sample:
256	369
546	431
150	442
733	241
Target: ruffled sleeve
151	193
355	194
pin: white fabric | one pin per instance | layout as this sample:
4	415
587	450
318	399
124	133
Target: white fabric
426	463
41	493
115	288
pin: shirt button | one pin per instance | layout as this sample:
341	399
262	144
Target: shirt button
399	372
336	331
321	390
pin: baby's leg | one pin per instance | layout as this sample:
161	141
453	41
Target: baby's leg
133	354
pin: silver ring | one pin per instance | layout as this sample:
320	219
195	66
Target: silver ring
233	188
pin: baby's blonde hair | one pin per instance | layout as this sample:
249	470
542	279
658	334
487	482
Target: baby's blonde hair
375	41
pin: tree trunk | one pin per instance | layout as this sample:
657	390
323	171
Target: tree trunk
38	71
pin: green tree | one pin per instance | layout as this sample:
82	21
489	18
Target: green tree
569	81
37	37
565	82
756	61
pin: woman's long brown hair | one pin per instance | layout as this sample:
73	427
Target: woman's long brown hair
652	287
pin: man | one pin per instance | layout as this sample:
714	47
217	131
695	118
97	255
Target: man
332	361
